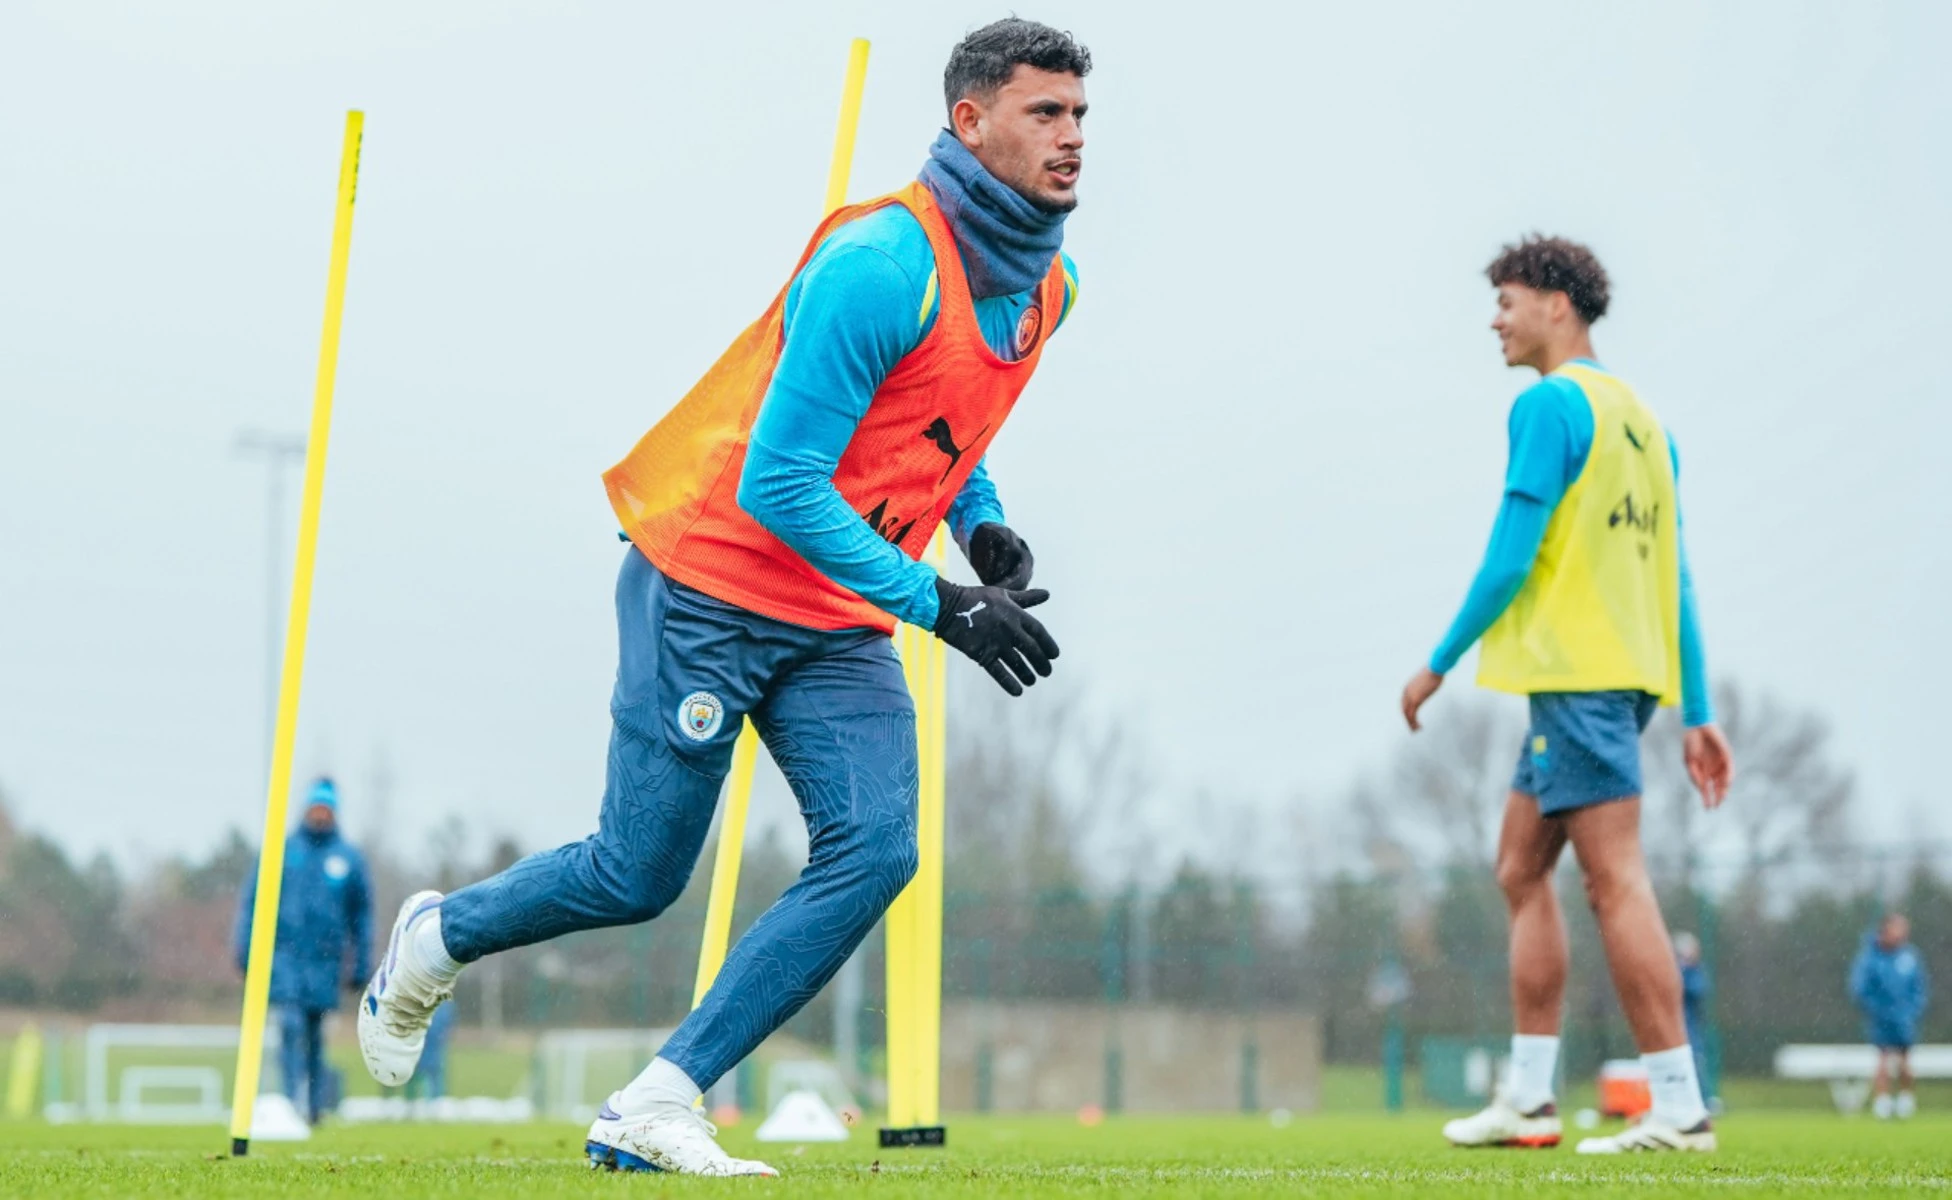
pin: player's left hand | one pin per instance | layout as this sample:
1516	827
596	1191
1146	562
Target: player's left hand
1001	558
1710	763
1417	692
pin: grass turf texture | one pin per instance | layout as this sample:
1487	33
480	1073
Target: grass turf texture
1764	1154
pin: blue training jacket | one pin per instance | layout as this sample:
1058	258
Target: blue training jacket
1890	985
1695	989
325	909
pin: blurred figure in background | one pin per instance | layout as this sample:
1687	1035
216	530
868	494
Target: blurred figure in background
1888	982
1695	990
429	1080
325	940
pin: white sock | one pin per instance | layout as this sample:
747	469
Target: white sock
1677	1093
1534	1062
662	1083
430	950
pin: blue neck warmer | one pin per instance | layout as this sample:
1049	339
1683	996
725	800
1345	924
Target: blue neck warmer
1007	242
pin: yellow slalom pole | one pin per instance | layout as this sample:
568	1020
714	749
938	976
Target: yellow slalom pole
725	865
914	921
24	1073
271	858
850	120
930	823
900	923
745	754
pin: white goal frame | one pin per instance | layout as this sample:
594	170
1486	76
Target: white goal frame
124	1102
562	1065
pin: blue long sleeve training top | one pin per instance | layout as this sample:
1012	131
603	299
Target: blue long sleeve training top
1889	985
1551	432
863	302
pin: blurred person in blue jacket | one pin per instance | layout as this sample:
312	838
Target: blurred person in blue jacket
429	1080
1888	982
325	941
1695	990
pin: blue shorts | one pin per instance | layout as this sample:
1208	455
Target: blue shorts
1891	1035
1583	748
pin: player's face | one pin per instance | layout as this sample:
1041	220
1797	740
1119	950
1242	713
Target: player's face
319	818
1897	930
1030	135
1524	323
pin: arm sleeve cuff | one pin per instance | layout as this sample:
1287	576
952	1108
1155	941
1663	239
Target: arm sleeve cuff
976	504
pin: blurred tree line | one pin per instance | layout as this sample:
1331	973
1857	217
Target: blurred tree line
1073	876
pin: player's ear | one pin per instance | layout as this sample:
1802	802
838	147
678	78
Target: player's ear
966	121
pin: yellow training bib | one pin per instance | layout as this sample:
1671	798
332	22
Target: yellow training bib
1601	610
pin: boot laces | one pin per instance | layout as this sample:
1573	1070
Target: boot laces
410	1007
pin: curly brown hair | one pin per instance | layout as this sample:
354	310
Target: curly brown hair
1555	264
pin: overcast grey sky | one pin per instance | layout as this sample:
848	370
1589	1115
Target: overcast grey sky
1257	466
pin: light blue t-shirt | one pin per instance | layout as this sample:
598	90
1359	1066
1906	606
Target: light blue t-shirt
863	302
1551	433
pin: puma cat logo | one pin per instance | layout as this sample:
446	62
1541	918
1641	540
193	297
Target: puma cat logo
945	441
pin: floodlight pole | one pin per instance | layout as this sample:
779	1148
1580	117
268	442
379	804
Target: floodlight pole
279	450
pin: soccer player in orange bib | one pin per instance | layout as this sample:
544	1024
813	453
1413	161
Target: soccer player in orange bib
776	518
1585	606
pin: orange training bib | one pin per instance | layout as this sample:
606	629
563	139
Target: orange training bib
925	429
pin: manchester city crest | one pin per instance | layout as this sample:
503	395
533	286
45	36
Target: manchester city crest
1029	325
700	715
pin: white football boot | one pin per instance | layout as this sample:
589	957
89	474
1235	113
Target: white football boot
400	1000
675	1139
1883	1107
1502	1125
1906	1107
1654	1136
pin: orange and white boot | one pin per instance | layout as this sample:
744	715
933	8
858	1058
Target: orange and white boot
1500	1124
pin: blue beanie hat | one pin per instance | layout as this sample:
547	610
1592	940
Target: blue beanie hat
324	792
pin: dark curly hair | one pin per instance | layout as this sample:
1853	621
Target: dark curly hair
1555	264
982	62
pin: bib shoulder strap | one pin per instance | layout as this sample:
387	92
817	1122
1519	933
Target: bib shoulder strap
854	212
952	281
1609	394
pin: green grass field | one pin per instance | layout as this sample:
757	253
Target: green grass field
1764	1154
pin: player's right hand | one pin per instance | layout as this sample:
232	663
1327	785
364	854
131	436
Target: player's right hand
1710	762
989	625
1417	693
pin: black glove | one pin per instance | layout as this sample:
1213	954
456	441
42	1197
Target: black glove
356	984
989	625
1001	558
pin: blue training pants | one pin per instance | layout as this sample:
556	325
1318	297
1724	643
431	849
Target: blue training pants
301	1058
835	714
